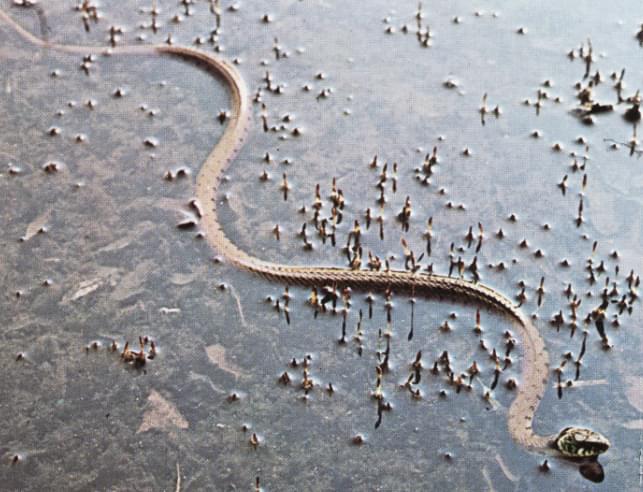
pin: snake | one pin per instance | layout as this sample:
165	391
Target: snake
571	442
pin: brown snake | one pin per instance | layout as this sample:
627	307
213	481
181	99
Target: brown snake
535	365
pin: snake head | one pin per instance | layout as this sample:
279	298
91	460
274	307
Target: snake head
577	442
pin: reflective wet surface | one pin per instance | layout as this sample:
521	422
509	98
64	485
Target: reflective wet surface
92	252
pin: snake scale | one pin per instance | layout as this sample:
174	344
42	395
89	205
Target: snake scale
572	442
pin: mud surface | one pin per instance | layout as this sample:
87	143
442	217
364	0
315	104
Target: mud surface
91	252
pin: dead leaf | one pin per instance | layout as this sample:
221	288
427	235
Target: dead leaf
161	414
84	288
216	354
36	225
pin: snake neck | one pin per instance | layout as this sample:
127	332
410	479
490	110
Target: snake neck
535	372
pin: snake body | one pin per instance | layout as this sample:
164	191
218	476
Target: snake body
535	364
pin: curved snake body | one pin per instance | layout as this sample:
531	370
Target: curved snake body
535	364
